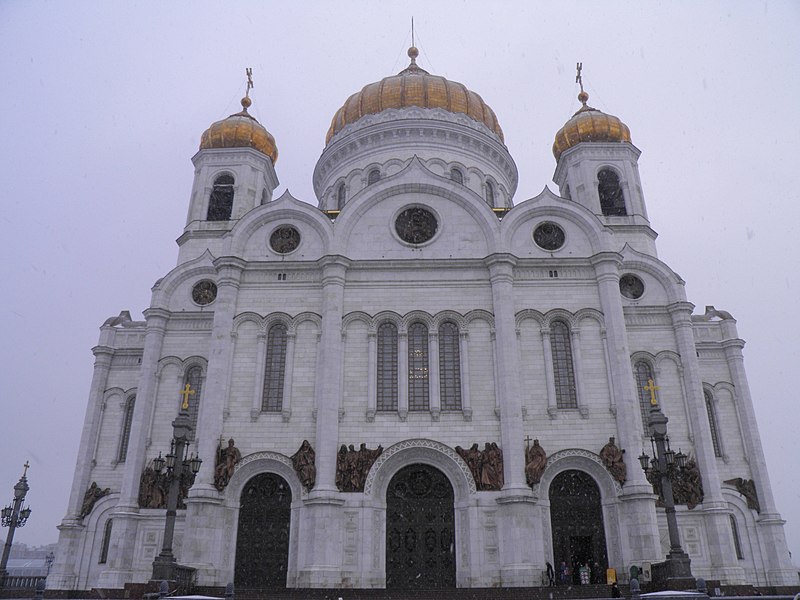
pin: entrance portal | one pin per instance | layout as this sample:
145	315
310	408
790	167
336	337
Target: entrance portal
576	517
420	525
262	544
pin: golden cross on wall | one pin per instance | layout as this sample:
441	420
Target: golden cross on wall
186	392
527	441
652	387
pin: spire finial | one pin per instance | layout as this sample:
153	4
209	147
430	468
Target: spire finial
246	100
412	32
583	96
413	53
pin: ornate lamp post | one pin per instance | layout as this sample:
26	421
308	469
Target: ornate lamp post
13	517
179	467
677	568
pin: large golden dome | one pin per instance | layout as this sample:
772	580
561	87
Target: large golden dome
240	130
414	86
589	125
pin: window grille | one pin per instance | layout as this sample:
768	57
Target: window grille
489	193
194	377
643	373
457	176
712	423
106	542
563	369
612	200
275	369
220	205
449	367
340	196
125	434
737	542
387	367
418	391
373	177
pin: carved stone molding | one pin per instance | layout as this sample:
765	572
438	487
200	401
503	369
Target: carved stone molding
419	444
585	454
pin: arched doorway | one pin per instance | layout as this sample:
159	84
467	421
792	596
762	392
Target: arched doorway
420	530
262	543
576	517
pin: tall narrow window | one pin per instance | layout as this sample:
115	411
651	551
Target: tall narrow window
418	391
737	542
220	204
643	373
457	176
563	370
340	196
612	201
712	423
194	379
105	544
449	367
125	434
387	367
490	193
275	369
373	177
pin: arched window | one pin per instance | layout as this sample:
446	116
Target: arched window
457	176
387	367
105	544
563	370
194	379
737	542
272	400
612	201
340	196
712	423
490	193
220	204
373	177
125	434
449	367
643	373
418	391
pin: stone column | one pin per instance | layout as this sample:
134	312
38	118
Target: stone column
466	399
64	574
121	550
715	508
402	374
577	361
203	534
320	565
434	383
517	527
372	375
549	375
639	537
258	392
769	522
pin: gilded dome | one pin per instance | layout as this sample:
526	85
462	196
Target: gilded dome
414	86
589	125
240	130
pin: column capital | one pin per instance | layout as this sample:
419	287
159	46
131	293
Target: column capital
155	313
735	343
606	263
103	353
680	311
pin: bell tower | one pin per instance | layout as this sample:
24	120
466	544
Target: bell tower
597	167
234	173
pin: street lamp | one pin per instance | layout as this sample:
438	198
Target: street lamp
678	565
14	516
179	466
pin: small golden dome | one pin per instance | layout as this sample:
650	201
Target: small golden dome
589	125
414	86
240	130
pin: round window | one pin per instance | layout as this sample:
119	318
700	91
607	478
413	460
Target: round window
416	225
631	286
204	292
549	236
284	239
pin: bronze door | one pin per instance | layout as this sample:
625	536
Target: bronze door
420	525
262	544
576	517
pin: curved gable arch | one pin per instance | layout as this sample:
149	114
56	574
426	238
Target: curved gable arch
559	314
263	462
165	287
384	316
417	316
449	315
592	314
305	317
357	316
671	282
247	317
479	315
529	314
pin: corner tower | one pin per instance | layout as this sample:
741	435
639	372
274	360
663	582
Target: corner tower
381	128
234	173
597	167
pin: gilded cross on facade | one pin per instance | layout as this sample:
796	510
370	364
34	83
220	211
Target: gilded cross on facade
578	77
652	387
527	441
186	392
250	86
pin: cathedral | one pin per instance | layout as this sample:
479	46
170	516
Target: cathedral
419	382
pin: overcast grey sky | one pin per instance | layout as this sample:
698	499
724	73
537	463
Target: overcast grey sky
103	104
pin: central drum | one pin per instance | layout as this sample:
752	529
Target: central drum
420	524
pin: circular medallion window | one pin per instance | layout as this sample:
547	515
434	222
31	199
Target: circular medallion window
284	239
204	292
549	236
631	286
416	225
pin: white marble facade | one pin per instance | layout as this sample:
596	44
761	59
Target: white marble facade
482	271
